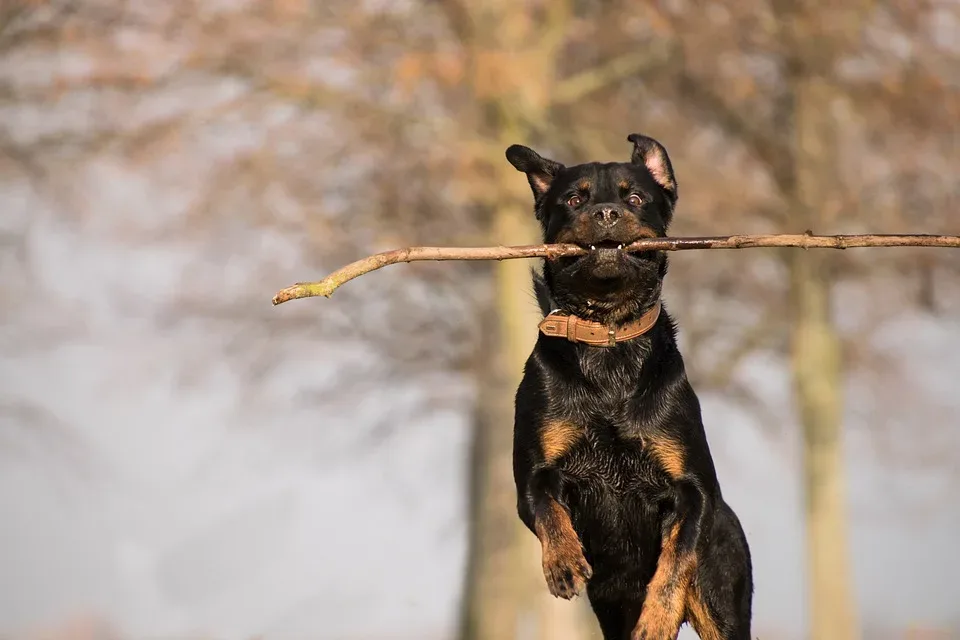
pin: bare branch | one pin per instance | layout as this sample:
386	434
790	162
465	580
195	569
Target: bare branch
761	141
459	19
328	285
756	338
586	82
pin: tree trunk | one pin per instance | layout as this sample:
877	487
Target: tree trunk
543	616
818	382
494	577
505	556
506	596
817	372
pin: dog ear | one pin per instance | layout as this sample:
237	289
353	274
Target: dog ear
649	153
540	171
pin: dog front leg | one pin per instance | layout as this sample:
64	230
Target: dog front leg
564	565
664	607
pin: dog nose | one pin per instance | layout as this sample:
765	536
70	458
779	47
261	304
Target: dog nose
606	216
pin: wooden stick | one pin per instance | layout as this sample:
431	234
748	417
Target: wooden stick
328	285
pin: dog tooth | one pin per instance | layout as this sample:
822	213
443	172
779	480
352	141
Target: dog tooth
592	248
619	246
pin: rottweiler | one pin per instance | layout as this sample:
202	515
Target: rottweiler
611	462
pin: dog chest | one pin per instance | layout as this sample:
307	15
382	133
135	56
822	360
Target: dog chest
600	455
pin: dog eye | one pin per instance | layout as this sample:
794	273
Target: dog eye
635	200
574	201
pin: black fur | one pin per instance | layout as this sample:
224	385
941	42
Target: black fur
609	441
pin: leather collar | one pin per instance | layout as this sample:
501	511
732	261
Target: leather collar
596	334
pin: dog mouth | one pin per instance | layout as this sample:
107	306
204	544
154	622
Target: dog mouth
611	249
603	245
608	259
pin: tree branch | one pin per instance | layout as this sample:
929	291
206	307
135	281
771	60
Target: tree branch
586	82
457	14
721	376
760	141
328	285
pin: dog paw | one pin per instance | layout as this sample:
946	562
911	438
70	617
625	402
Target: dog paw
566	570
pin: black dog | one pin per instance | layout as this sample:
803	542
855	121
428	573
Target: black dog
611	461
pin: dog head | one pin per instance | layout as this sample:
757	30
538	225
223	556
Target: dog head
602	208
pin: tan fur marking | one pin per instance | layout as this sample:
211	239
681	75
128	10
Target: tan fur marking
581	230
564	566
583	185
556	532
699	616
646	232
558	437
623	185
665	603
633	229
671	456
578	231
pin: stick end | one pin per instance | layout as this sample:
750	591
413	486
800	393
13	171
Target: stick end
285	295
304	290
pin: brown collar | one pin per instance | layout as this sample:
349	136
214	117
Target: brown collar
574	329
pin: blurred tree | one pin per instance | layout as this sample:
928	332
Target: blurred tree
511	52
518	58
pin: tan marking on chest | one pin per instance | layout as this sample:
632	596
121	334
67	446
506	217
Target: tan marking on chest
557	438
670	454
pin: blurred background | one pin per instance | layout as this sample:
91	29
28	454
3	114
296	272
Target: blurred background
180	460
